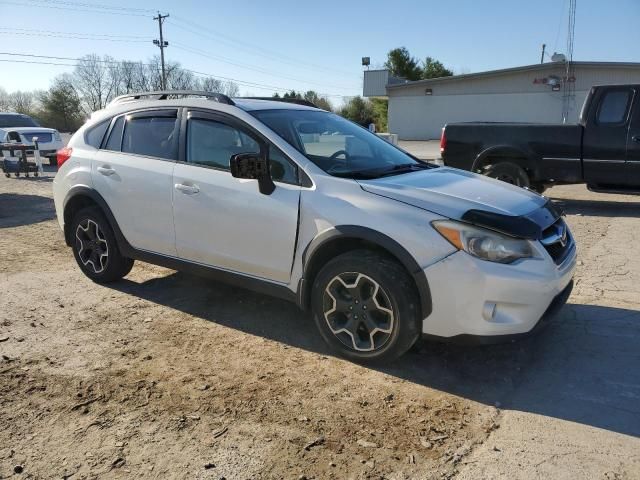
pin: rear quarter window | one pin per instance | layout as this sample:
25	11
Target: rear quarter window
95	134
614	107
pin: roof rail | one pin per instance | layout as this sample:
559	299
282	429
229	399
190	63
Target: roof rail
165	94
297	101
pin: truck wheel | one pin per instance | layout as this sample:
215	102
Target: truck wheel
95	248
538	187
366	306
510	173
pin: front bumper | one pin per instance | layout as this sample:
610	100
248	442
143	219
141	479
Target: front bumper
494	302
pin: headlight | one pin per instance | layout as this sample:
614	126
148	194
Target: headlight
482	243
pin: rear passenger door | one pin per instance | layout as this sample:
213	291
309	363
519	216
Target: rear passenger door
605	137
133	172
225	222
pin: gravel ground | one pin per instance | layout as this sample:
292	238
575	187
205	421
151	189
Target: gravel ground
164	375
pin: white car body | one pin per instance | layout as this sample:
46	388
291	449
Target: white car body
207	218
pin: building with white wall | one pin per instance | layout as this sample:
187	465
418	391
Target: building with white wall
534	93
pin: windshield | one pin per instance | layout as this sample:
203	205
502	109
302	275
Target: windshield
8	121
338	146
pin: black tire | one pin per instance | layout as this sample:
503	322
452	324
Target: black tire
396	293
510	173
95	248
538	187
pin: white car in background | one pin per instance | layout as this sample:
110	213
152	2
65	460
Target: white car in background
16	127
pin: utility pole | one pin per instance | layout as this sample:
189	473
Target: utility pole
162	45
544	47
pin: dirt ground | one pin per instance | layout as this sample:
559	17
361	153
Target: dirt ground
165	375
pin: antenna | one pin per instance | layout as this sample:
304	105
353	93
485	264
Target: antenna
569	86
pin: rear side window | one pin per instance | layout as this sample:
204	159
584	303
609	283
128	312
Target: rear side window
151	136
614	106
94	135
115	137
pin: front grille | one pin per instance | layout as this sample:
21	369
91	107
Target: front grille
557	240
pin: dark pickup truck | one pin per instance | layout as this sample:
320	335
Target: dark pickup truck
602	150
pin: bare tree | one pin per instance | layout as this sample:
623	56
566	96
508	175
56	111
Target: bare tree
5	103
22	102
96	80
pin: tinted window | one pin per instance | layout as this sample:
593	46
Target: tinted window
614	105
282	170
336	145
115	137
7	121
94	135
151	136
213	143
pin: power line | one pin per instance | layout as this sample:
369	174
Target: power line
244	83
196	51
74	9
208	33
72	37
74	33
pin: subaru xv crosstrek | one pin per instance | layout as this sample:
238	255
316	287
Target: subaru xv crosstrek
299	203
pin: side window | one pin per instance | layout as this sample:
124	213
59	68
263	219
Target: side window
151	136
212	143
115	137
282	170
95	134
614	106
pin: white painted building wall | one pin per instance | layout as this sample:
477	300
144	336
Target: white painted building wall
510	95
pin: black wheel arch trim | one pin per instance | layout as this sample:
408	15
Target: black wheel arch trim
127	250
509	152
356	232
86	191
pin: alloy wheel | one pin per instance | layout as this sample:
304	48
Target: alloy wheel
358	311
92	246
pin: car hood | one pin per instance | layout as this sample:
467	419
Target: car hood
462	195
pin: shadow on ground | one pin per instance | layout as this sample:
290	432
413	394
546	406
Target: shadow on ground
24	209
582	368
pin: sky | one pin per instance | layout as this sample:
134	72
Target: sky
279	45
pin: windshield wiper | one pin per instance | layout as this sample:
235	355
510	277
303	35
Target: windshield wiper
369	174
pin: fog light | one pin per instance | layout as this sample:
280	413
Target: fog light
489	311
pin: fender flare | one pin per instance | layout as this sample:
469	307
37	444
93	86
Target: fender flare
503	149
85	191
356	232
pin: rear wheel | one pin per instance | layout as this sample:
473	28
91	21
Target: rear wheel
95	248
366	306
510	173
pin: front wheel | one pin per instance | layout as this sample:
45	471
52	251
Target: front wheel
95	248
366	307
510	173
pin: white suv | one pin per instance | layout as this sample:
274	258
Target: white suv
302	204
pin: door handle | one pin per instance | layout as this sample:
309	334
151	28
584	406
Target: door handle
187	189
107	171
636	138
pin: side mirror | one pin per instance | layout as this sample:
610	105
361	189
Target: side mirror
253	166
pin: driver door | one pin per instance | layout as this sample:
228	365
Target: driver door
225	222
